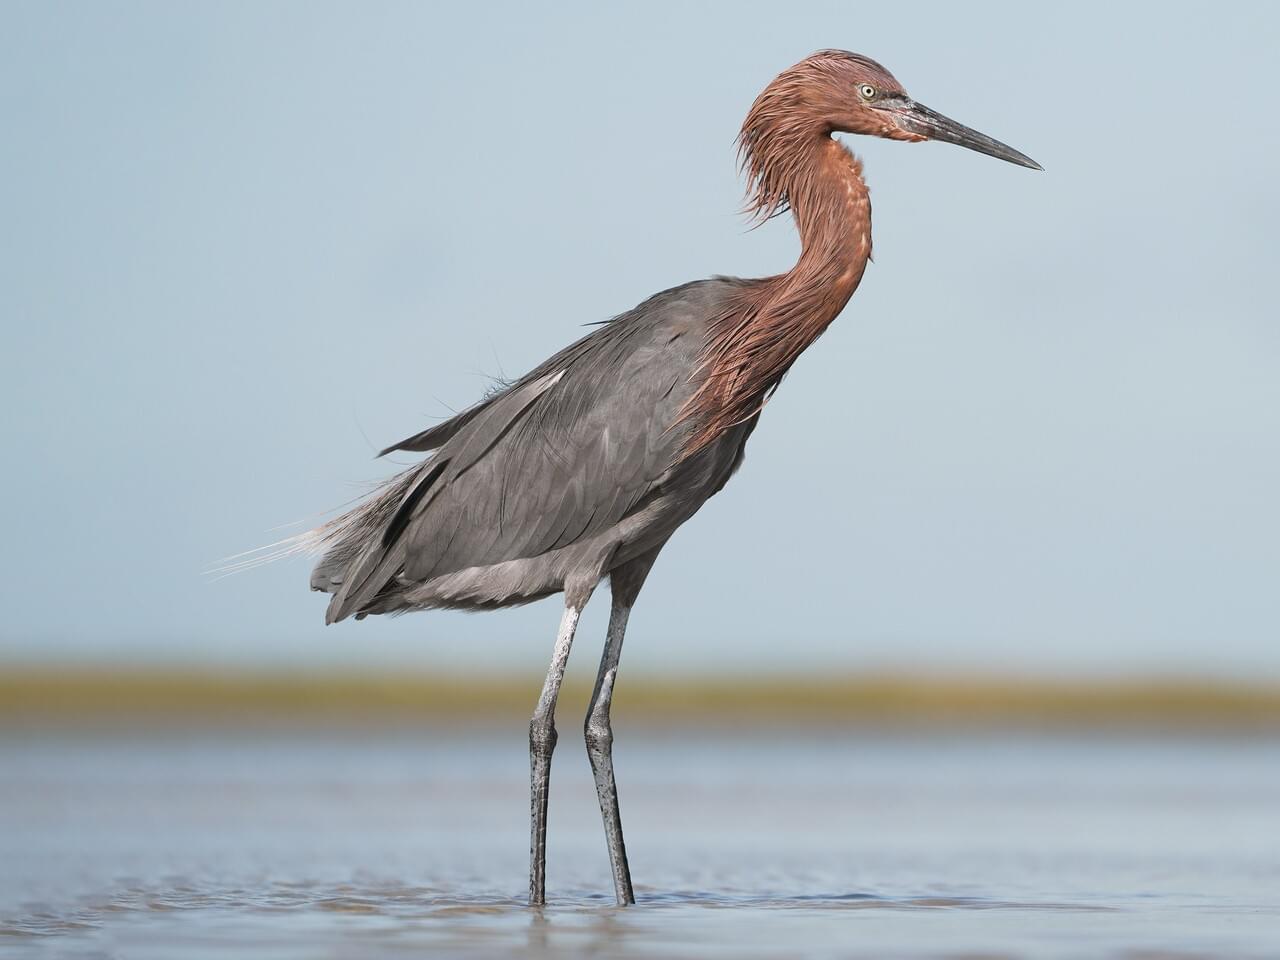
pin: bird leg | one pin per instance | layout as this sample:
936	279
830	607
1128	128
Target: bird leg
599	734
625	582
542	741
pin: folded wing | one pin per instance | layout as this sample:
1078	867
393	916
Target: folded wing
554	459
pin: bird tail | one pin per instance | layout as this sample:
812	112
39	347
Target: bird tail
342	540
337	541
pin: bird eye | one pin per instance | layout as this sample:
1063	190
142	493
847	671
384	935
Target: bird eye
867	91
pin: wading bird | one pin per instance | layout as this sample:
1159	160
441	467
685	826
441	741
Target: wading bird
585	467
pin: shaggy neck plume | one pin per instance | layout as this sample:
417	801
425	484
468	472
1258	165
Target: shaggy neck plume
799	167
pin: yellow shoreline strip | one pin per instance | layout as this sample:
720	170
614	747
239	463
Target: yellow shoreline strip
83	697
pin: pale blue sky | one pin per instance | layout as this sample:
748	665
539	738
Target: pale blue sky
242	245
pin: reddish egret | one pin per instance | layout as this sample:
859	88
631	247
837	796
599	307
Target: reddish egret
584	467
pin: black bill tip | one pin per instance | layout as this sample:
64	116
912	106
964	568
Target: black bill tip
918	119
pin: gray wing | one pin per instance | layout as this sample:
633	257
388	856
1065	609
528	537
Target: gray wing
564	453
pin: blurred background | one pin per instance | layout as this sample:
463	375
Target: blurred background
247	246
1026	481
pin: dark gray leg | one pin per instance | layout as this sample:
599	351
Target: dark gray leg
626	583
542	741
599	735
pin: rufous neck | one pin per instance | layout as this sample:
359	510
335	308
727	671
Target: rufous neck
832	210
754	342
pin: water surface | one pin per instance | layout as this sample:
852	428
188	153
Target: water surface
414	844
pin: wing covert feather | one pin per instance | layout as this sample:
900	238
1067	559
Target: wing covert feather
556	458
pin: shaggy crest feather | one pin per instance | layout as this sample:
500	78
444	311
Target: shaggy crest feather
792	164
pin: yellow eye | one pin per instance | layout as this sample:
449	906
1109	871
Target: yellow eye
867	92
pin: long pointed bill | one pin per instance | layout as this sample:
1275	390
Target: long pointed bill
920	120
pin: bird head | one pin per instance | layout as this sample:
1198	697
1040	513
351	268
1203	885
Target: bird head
836	90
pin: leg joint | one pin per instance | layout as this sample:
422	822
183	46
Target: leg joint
542	736
598	732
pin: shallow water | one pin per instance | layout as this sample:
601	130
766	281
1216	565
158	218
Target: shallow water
382	845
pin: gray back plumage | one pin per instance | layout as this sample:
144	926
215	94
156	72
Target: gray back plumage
573	466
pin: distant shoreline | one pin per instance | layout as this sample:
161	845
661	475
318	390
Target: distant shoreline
92	698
